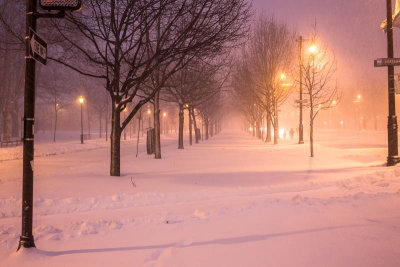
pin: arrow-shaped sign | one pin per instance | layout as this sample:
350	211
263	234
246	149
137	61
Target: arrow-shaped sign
37	47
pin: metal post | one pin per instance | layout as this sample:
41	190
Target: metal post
393	157
81	123
301	141
26	239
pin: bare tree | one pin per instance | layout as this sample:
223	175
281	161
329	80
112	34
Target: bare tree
319	68
271	50
11	67
112	38
262	80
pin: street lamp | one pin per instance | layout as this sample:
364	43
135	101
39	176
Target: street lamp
357	113
313	50
81	100
164	118
149	113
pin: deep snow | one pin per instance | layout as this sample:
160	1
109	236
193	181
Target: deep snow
230	201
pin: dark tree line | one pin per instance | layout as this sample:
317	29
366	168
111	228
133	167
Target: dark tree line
128	45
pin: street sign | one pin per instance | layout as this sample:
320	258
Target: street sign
384	62
304	101
66	5
37	47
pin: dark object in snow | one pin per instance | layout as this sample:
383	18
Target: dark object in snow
133	183
150	141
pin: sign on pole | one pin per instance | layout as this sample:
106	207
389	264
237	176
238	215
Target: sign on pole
66	5
303	101
384	62
37	47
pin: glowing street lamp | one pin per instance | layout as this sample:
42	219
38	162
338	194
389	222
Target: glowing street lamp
164	118
357	113
149	113
81	100
312	49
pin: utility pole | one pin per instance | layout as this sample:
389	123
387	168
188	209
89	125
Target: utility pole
26	239
393	157
301	140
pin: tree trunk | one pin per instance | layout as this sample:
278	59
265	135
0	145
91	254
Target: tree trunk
276	124
258	125
106	127
211	129
15	123
268	138
181	121
55	122
138	133
100	124
190	126
311	131
157	138
115	142
7	122
206	127
195	127
276	130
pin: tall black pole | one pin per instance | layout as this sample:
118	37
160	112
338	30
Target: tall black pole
26	239
393	157
301	141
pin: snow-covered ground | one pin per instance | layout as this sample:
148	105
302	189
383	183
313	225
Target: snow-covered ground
230	201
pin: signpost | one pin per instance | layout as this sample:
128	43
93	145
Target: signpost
35	50
385	62
37	47
68	5
390	62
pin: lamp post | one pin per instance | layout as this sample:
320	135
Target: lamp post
357	113
164	118
81	100
313	50
393	157
149	113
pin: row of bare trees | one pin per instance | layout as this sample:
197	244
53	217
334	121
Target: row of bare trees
11	70
138	52
266	74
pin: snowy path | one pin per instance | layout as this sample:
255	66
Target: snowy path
230	201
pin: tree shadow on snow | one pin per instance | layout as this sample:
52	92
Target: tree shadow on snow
221	241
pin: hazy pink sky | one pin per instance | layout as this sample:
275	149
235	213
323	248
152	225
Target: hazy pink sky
350	28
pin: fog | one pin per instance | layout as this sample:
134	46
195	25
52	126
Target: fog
351	29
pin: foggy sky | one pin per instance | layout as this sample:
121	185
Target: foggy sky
351	29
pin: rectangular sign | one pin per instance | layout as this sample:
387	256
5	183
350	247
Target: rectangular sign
384	62
37	47
66	5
